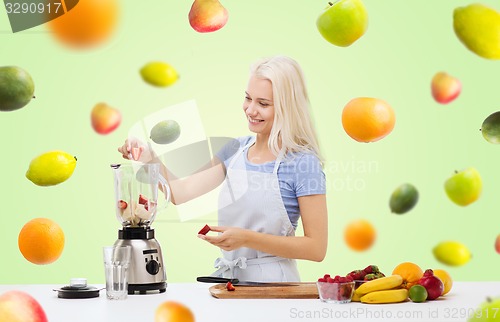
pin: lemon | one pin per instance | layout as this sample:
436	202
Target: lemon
452	253
51	168
478	28
159	74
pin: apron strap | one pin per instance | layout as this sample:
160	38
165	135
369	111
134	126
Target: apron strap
225	265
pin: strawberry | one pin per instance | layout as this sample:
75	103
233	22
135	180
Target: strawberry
230	287
357	275
142	199
371	269
321	280
330	280
379	274
349	278
369	277
122	204
326	276
136	153
204	230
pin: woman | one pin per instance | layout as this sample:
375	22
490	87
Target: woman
273	179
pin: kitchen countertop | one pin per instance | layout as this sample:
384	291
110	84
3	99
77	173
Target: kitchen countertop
455	306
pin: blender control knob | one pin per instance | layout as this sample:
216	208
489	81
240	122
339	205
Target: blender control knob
152	267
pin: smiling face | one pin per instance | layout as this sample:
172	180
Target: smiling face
258	105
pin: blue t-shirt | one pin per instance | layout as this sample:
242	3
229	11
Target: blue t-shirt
298	175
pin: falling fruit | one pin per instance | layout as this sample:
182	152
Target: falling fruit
171	311
497	244
491	128
478	28
403	199
159	74
445	88
165	132
359	235
104	118
464	187
367	119
343	22
452	253
88	24
19	306
51	168
41	241
207	15
16	88
488	311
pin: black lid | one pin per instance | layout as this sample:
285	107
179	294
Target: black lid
76	292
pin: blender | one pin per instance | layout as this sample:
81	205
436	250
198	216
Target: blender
136	203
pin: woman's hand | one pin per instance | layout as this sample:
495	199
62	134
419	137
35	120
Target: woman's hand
231	238
134	149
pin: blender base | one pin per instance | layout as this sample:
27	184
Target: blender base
147	288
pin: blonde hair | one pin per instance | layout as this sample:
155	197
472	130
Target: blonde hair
293	127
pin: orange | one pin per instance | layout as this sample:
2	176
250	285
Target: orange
359	235
410	272
88	24
367	119
171	311
41	241
445	278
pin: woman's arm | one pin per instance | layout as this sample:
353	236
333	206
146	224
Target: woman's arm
182	189
311	246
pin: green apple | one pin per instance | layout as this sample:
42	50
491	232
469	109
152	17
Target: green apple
343	22
464	187
488	311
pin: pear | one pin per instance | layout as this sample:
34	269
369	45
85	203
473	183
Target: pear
207	15
16	88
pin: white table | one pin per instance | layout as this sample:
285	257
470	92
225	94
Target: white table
462	300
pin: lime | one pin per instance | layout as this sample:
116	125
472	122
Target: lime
165	132
403	199
417	293
491	128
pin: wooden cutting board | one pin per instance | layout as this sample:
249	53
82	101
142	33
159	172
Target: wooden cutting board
296	291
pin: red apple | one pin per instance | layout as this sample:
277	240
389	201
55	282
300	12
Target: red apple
445	88
105	119
497	244
207	15
17	306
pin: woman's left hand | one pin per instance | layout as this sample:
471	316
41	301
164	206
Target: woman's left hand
231	238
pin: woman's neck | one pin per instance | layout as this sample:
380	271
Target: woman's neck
259	152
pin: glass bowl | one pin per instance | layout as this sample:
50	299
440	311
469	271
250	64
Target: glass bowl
335	292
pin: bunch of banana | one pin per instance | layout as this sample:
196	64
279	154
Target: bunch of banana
382	290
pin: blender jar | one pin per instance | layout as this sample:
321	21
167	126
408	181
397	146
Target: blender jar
136	193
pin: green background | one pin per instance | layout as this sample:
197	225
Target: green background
405	45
